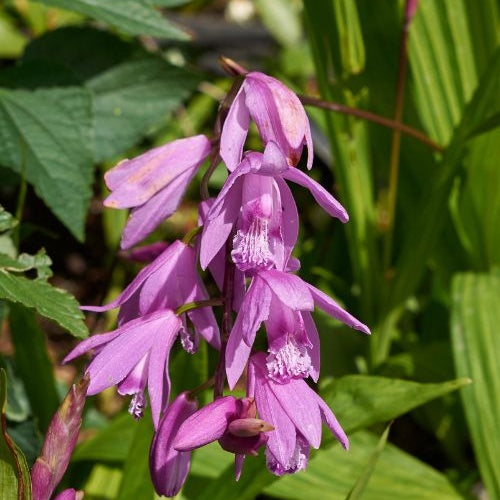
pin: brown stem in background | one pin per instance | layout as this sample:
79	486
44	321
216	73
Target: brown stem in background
371	117
410	9
227	320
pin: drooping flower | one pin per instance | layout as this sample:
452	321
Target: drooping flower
153	183
257	204
283	301
229	420
296	412
136	354
168	466
278	114
60	440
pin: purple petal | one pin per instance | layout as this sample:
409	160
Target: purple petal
136	380
238	466
222	216
144	219
320	194
290	289
206	425
116	360
69	494
234	131
323	301
253	310
290	218
158	375
298	401
136	181
90	343
274	160
313	336
332	423
145	253
281	441
170	467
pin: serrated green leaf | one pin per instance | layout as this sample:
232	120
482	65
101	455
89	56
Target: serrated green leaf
14	473
397	475
133	96
476	349
30	353
49	301
7	221
136	17
47	134
24	262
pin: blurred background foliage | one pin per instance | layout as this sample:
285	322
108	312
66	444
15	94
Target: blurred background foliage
84	84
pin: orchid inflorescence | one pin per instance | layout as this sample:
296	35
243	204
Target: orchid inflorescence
245	239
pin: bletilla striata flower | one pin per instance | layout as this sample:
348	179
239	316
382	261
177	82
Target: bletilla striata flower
152	184
136	354
283	302
168	466
278	114
257	203
296	413
229	420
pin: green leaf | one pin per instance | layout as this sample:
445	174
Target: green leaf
281	18
30	353
136	482
360	486
49	301
47	135
350	40
360	401
396	475
133	96
14	473
12	41
111	444
476	349
7	221
136	17
24	262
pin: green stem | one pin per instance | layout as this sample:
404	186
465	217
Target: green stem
198	304
21	197
396	134
190	235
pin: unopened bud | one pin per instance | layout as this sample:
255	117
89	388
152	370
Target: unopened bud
248	427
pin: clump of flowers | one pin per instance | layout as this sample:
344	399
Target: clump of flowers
245	239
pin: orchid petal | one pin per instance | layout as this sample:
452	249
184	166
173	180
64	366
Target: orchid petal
290	219
273	161
158	375
313	336
136	181
206	425
234	131
327	304
290	289
170	467
146	218
113	363
90	343
254	309
320	194
332	423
